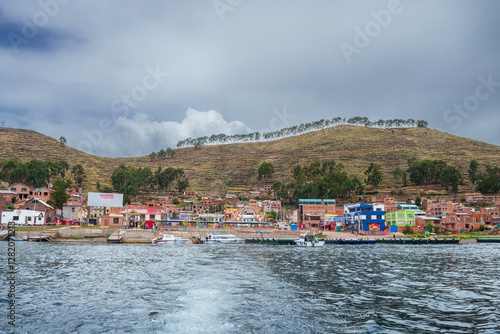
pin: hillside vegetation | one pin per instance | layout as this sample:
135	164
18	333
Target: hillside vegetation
234	166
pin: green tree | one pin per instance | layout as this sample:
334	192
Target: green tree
451	178
271	215
78	174
37	173
58	169
12	171
170	152
400	175
59	196
473	171
63	141
373	175
153	156
266	169
489	181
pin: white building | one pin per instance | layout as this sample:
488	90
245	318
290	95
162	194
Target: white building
23	217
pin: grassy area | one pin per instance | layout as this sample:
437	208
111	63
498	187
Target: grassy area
36	228
234	167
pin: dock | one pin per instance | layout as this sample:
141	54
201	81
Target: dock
270	241
490	240
419	241
116	237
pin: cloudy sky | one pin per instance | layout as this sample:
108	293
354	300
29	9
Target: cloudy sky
125	78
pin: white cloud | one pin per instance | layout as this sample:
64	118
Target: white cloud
142	135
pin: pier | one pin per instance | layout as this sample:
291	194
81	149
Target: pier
116	237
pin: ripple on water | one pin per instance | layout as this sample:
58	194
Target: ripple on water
96	288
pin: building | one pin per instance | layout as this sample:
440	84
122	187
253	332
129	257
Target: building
474	197
36	204
404	216
365	217
74	211
23	217
42	193
312	212
112	220
22	190
437	209
6	197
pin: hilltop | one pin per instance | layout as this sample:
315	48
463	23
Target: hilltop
234	166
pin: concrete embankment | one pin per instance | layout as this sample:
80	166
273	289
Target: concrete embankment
72	234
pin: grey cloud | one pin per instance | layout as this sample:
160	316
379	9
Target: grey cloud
261	56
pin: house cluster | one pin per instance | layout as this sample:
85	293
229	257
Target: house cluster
378	214
25	205
385	214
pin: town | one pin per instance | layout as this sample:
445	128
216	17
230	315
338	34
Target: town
377	215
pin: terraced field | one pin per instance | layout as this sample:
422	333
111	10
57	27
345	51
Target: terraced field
234	166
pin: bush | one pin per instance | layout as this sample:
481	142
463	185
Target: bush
481	228
408	229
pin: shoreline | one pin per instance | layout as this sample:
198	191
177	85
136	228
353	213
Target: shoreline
67	234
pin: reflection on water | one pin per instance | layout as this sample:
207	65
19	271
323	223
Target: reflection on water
92	288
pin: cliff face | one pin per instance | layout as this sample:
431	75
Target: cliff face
234	166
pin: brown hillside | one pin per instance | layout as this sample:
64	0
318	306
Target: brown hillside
234	166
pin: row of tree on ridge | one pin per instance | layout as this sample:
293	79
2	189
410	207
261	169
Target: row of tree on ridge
299	129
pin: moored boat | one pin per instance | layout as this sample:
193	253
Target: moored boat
168	239
214	238
308	240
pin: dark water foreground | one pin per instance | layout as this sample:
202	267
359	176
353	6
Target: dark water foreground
99	288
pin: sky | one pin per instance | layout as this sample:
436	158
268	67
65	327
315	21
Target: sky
123	78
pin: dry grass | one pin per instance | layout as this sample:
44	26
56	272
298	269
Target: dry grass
234	167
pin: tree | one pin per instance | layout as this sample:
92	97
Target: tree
63	141
374	175
473	170
78	174
489	181
58	196
451	178
170	152
400	174
153	156
266	169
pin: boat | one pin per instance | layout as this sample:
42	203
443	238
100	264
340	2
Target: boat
18	238
168	239
309	240
214	238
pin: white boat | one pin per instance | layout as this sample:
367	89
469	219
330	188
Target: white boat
308	240
217	238
168	239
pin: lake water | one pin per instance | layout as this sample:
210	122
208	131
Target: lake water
100	288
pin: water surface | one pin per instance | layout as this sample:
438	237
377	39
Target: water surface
100	288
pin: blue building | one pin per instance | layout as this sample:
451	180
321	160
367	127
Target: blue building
365	217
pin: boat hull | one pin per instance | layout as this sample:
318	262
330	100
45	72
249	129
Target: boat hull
314	243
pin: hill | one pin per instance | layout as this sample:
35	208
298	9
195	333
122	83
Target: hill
234	166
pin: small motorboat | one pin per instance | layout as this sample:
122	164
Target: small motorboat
217	238
168	239
13	238
309	240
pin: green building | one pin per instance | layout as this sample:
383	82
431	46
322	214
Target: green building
400	218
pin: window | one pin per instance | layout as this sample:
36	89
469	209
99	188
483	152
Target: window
115	220
24	189
72	209
15	218
368	217
29	218
379	217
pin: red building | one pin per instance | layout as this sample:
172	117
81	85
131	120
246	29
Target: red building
22	190
312	212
